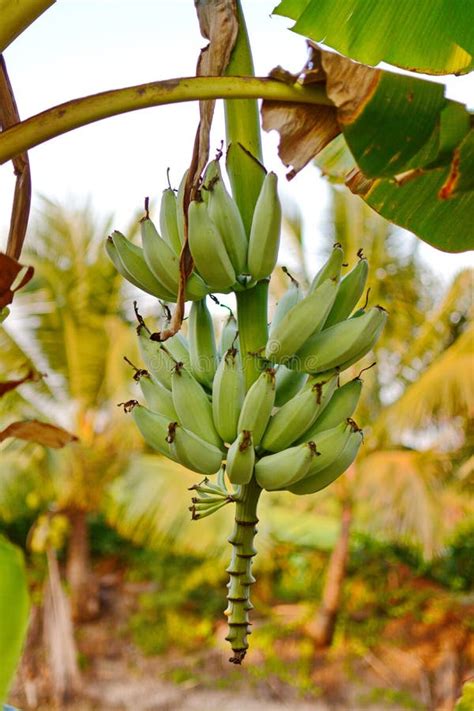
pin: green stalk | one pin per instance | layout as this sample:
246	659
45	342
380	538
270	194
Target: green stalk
253	328
88	109
246	177
240	570
242	125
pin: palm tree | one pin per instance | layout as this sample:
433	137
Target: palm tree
409	490
68	323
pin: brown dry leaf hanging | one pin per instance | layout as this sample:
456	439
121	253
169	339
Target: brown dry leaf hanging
13	276
218	23
31	377
39	432
306	129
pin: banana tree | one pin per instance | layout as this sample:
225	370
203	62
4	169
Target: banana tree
424	144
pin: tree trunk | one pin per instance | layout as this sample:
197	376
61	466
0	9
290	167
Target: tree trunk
63	670
83	589
322	628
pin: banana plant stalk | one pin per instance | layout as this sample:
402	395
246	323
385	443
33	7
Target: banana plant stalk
246	177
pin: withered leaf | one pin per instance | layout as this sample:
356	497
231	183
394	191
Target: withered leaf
39	432
31	376
13	276
306	129
218	23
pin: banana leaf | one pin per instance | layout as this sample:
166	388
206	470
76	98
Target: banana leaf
428	36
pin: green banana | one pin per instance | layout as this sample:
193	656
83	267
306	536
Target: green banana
192	406
296	416
158	361
340	407
289	299
208	249
229	334
154	429
277	471
330	443
169	220
163	262
193	452
329	473
342	344
129	261
225	214
288	384
265	231
258	405
241	459
351	288
202	344
178	346
227	395
331	269
158	398
180	207
300	323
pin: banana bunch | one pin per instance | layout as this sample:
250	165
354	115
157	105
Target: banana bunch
276	419
293	428
225	257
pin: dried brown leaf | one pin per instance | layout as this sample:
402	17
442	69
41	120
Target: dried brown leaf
306	129
39	432
31	377
13	276
22	196
218	24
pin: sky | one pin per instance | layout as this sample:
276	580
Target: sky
81	47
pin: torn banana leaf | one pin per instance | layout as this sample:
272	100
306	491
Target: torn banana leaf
405	148
428	36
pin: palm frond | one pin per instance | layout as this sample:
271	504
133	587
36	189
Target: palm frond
443	392
149	505
403	493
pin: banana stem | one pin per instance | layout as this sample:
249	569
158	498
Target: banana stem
252	310
240	570
243	127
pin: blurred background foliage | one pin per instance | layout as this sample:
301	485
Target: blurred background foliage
392	540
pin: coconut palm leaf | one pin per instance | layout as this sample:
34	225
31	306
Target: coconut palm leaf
402	493
149	505
444	391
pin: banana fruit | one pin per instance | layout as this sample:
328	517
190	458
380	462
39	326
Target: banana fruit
296	416
193	408
280	470
202	344
342	344
227	395
351	288
264	238
163	262
241	459
258	405
225	214
193	452
208	249
300	323
310	484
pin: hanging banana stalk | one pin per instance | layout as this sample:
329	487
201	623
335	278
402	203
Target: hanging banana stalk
266	409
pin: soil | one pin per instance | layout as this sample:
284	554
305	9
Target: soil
415	666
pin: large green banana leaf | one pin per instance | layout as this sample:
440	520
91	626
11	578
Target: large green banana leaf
405	148
428	36
13	611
